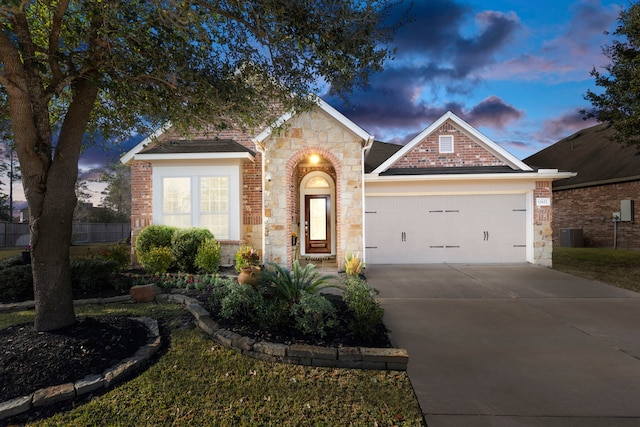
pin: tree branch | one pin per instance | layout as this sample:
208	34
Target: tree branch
54	37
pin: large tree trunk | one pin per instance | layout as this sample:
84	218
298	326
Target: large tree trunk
52	223
51	239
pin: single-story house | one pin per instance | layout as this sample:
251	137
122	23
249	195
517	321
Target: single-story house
320	186
599	204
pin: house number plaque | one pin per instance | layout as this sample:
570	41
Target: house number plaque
543	201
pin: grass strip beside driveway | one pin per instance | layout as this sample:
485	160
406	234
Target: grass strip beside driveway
615	267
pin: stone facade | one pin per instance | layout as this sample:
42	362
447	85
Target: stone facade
591	208
312	133
467	152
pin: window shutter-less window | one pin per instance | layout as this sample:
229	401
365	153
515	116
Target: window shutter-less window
446	143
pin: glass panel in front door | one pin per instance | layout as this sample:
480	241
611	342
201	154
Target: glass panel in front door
318	219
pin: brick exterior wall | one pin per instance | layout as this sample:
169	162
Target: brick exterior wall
141	200
591	209
467	152
251	226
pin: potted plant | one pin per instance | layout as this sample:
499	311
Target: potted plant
247	265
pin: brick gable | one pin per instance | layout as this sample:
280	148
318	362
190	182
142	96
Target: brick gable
467	152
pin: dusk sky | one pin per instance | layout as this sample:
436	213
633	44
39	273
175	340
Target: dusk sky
516	70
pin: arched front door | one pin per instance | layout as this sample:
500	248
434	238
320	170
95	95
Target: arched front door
317	192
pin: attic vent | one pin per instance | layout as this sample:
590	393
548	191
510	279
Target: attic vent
446	143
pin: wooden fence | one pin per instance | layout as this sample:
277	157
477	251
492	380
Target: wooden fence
15	234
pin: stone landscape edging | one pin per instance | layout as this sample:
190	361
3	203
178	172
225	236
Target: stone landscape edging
71	390
390	359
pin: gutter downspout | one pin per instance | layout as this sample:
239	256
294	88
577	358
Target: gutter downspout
365	149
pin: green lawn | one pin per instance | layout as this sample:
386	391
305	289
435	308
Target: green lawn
197	382
616	267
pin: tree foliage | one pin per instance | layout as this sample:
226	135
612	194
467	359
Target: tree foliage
117	194
619	102
72	69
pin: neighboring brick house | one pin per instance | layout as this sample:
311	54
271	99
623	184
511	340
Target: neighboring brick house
607	181
323	179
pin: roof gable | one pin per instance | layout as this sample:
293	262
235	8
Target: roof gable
332	112
591	154
470	149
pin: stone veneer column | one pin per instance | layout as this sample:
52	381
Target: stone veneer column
307	133
542	230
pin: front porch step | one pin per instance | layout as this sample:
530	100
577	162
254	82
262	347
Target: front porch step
323	262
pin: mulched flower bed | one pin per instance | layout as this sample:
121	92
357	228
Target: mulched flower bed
31	360
339	336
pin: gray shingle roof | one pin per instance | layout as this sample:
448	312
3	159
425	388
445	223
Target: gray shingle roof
591	154
379	152
457	170
197	146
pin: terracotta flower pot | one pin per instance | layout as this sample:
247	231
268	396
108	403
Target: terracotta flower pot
249	276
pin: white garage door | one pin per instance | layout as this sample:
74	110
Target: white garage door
446	229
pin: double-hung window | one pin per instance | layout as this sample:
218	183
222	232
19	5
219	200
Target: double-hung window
198	196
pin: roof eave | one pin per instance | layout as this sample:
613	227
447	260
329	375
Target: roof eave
196	156
338	116
543	174
129	155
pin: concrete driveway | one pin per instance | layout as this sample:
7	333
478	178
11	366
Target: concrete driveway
514	345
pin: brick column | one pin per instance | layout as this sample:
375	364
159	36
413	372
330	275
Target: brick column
542	231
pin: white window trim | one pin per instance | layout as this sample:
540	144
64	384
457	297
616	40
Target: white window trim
443	142
195	171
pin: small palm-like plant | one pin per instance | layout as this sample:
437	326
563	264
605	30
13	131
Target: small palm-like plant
288	285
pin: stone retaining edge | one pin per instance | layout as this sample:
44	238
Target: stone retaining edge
390	359
49	395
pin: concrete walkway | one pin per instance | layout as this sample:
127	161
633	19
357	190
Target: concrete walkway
514	345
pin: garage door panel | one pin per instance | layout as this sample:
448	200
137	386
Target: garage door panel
446	229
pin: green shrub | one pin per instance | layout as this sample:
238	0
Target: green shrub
208	256
119	253
16	283
220	289
288	285
185	244
313	314
11	261
242	301
366	311
88	274
152	236
158	259
246	256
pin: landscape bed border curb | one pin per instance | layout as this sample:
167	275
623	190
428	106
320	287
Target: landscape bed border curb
390	359
71	390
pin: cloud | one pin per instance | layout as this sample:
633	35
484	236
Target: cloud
493	112
434	59
570	55
568	123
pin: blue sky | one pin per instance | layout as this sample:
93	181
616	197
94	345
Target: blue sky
516	70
